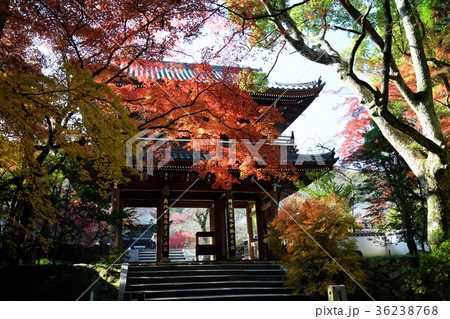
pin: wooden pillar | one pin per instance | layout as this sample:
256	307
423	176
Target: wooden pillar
260	221
274	205
231	231
250	231
219	218
159	212
212	218
212	224
273	212
163	227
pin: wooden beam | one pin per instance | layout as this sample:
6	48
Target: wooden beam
140	203
159	212
212	216
201	186
240	204
141	194
266	206
192	204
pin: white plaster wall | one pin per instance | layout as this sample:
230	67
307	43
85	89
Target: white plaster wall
370	247
398	249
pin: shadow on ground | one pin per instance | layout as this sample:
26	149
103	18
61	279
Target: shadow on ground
53	283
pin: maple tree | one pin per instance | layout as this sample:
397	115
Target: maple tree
185	223
182	240
85	217
390	36
325	219
46	128
312	226
389	184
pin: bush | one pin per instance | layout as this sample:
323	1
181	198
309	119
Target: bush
431	278
326	221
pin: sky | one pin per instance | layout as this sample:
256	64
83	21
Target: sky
320	123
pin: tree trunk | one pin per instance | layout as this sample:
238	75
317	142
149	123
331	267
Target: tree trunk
437	190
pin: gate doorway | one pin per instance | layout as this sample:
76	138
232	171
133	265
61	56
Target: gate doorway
185	223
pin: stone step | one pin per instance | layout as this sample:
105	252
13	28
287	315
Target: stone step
198	292
207	281
233	297
182	278
147	286
149	255
203	265
206	272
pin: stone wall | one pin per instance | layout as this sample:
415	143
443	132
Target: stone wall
386	280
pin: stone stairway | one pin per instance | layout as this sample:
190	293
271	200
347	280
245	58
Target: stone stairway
146	255
149	255
204	281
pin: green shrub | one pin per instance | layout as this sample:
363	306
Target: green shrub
431	278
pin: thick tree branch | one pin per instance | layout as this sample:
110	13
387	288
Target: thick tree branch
414	37
295	38
411	132
387	51
378	41
350	72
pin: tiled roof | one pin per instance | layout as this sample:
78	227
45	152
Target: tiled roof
296	86
365	234
164	71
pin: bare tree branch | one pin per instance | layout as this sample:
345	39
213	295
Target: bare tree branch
335	27
274	14
359	41
274	63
